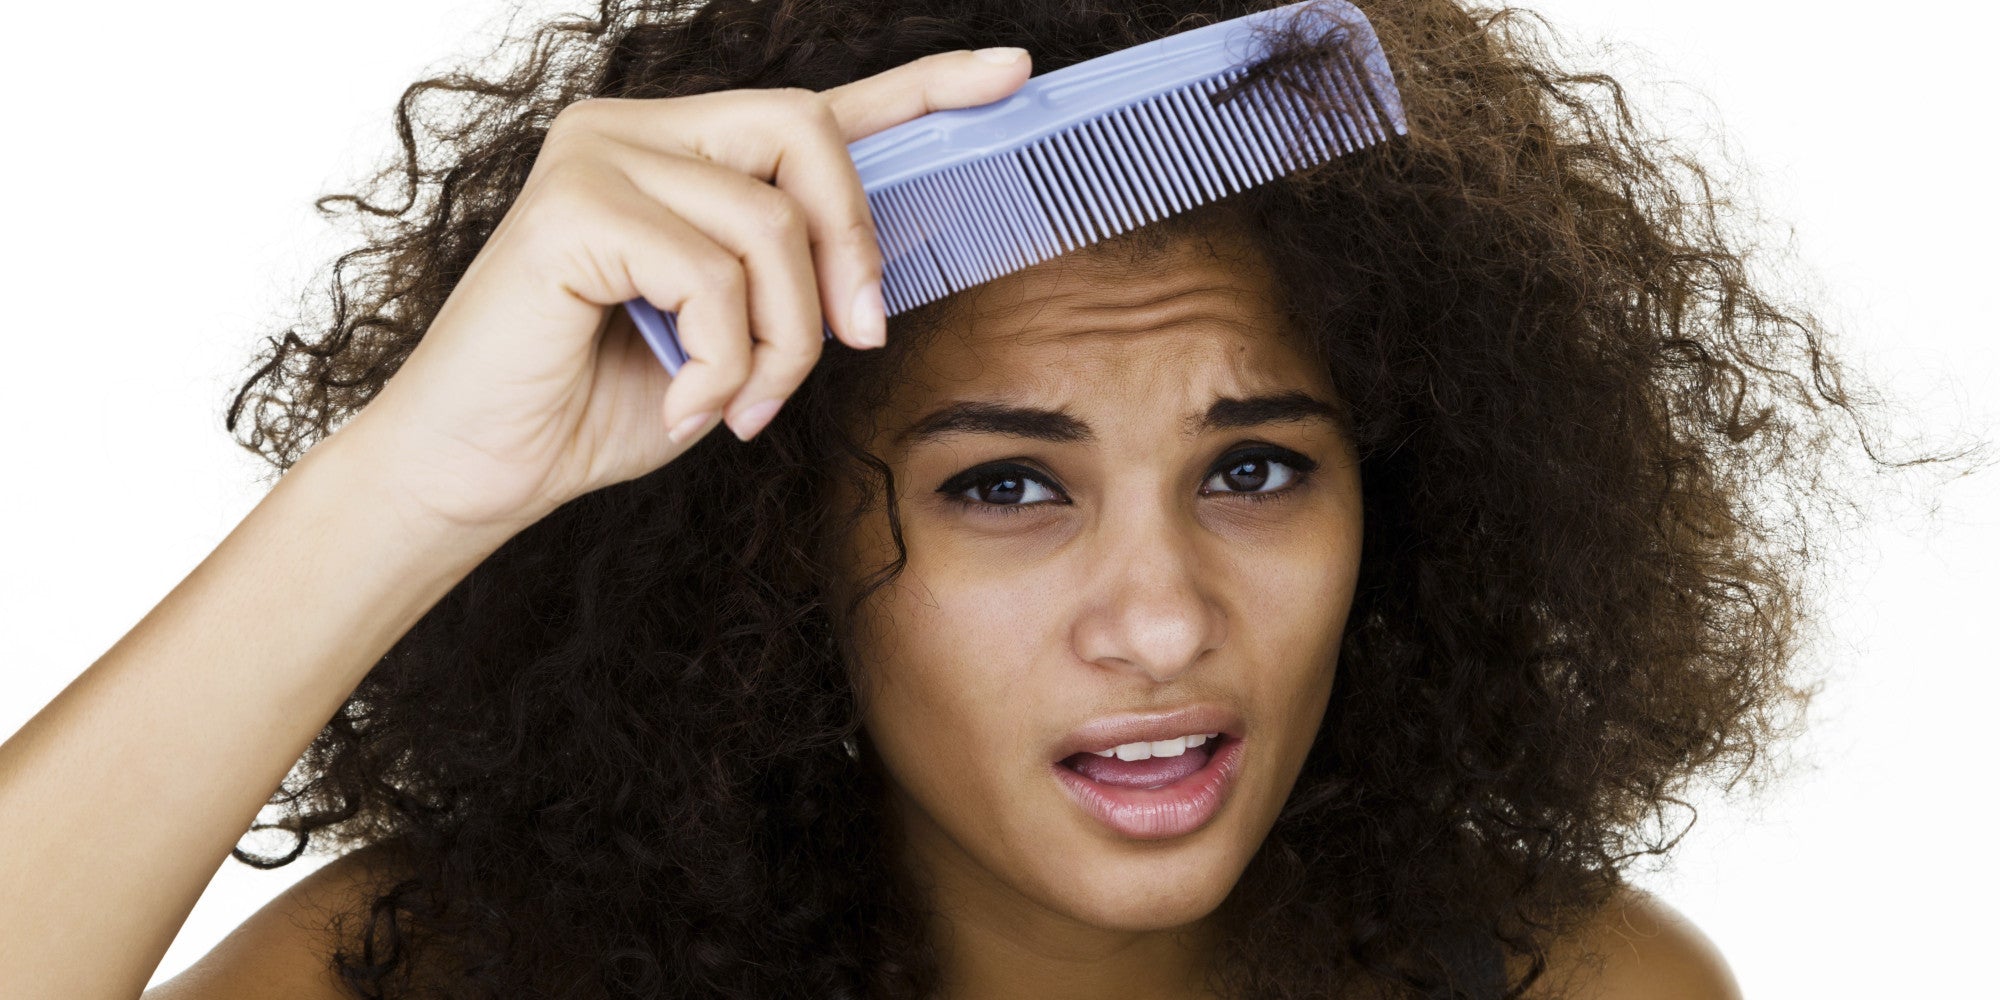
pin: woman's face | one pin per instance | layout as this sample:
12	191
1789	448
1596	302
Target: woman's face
1148	509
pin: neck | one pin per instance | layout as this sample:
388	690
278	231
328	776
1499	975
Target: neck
996	943
987	955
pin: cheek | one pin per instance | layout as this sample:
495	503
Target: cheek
946	672
1304	597
968	624
1310	600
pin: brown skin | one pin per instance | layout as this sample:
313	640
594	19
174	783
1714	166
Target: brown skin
1639	948
1130	573
1572	399
1166	596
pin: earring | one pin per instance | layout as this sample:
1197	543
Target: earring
847	744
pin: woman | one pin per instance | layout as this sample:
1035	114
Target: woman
615	712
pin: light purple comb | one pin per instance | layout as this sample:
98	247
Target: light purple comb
965	195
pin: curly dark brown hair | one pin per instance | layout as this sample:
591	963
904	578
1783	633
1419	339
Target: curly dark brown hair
608	759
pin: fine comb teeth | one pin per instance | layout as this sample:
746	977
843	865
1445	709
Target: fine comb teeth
1073	156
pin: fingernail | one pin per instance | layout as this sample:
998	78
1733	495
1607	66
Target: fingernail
870	319
751	419
686	427
1001	54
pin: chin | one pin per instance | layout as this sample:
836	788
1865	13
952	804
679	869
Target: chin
1140	895
1124	884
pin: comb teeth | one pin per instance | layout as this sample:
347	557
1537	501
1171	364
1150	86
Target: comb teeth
1098	178
963	196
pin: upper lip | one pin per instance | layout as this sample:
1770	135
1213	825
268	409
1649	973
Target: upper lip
1114	730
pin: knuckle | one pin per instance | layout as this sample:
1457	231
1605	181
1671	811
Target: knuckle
705	396
778	377
861	233
800	352
719	271
779	214
726	374
570	188
811	109
790	365
801	101
579	116
571	175
571	153
732	373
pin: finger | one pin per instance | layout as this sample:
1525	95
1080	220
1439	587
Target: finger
804	152
941	80
766	228
788	136
713	325
638	247
818	171
712	124
845	237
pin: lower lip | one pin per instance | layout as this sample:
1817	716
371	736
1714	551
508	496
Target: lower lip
1158	813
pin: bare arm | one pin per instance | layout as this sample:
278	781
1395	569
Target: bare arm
285	949
122	796
120	799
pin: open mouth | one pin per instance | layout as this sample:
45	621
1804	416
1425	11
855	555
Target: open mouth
1153	772
1156	798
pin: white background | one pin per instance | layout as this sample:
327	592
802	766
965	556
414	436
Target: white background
160	168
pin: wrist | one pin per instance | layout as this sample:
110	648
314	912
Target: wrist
363	466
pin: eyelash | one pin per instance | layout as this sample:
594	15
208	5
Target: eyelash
953	490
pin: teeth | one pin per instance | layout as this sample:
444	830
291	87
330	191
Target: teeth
1144	750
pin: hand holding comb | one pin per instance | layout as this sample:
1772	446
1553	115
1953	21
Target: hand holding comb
964	195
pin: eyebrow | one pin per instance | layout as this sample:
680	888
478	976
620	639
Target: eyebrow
1225	413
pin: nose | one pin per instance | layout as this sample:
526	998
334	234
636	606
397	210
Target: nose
1150	609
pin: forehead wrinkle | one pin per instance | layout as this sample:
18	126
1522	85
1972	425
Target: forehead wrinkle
1070	315
1149	287
1187	312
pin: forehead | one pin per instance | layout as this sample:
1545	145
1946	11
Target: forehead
1166	326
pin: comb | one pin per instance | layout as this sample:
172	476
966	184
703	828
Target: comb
964	195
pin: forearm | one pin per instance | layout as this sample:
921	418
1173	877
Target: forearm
120	799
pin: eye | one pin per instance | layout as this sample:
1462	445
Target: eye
1002	486
1252	469
999	488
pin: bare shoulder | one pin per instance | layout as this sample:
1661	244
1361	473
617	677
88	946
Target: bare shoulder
284	948
1637	948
